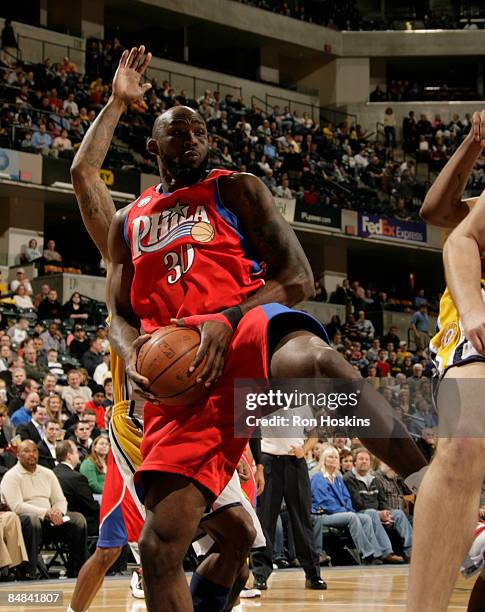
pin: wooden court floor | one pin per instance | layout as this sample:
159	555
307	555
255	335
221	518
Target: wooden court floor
377	589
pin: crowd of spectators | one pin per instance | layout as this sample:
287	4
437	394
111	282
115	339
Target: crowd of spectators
346	15
48	108
431	90
56	395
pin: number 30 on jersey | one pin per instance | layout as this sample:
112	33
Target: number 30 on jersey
179	262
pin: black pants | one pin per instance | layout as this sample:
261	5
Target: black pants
286	477
72	532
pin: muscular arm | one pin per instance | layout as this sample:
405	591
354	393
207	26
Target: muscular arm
443	205
124	326
461	255
289	278
93	197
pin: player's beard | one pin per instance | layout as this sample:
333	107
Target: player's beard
187	175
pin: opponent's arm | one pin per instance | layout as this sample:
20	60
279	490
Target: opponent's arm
461	255
94	199
443	205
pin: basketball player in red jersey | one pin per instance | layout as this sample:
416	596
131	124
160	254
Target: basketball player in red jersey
447	504
122	518
188	251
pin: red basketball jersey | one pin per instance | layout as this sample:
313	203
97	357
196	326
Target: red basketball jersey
189	254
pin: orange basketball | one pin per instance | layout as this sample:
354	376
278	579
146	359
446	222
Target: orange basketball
165	360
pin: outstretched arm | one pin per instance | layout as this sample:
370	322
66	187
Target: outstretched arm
94	199
443	205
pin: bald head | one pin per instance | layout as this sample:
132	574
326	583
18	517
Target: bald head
179	140
175	114
28	455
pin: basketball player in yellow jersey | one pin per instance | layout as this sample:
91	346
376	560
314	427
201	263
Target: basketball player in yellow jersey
448	500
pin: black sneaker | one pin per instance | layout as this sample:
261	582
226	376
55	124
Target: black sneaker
281	563
260	583
315	583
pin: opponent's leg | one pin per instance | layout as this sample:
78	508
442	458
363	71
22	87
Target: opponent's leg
91	576
448	501
301	354
174	507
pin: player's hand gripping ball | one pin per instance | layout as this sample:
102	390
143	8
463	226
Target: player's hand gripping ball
165	360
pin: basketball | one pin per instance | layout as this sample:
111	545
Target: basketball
202	232
165	360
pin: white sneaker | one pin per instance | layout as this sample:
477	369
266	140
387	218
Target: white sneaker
249	593
136	584
475	560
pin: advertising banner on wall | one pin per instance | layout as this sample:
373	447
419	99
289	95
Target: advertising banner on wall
324	216
375	226
20	166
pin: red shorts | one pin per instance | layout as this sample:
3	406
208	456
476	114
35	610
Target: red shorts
119	518
198	441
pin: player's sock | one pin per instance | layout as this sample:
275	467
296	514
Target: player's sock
475	560
413	481
207	596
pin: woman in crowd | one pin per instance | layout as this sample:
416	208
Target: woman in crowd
94	466
53	404
32	252
74	310
22	300
332	507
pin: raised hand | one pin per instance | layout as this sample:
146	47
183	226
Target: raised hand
126	82
478	127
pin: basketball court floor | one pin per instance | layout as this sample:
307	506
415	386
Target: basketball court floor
377	589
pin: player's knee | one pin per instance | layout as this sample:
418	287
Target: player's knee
454	453
159	550
331	364
107	556
242	535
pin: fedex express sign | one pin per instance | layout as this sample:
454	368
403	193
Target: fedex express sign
379	227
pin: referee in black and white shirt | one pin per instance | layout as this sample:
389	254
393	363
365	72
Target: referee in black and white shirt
286	477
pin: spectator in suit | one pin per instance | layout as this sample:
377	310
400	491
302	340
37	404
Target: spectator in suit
34	493
35	429
24	414
82	439
47	446
368	497
75	486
